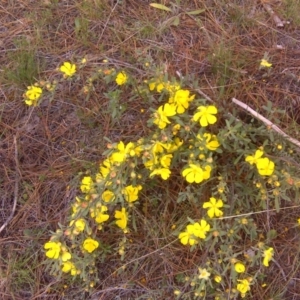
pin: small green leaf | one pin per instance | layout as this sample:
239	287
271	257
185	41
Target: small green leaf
77	25
160	6
196	12
176	21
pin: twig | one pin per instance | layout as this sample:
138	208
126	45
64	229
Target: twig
272	14
257	212
16	191
266	122
108	18
204	95
281	270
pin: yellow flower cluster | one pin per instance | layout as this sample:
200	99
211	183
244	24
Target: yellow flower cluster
131	193
194	232
178	103
56	251
243	286
264	165
158	157
32	95
181	143
162	114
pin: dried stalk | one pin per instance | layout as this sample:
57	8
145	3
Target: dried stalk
16	191
272	14
266	122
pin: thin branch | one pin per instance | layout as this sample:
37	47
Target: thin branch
272	14
16	191
257	212
266	122
108	18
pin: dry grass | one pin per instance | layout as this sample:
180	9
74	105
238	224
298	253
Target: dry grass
221	48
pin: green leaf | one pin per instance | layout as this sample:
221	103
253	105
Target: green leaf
160	6
176	21
191	220
196	12
77	25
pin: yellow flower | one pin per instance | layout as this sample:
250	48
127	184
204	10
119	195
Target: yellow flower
239	267
268	254
175	145
187	236
243	287
218	278
53	249
131	193
265	166
69	266
32	95
213	207
206	115
79	225
265	63
165	160
200	229
105	168
163	172
152	86
108	196
176	128
194	173
150	163
99	214
90	245
121	78
172	88
122	217
66	256
123	152
212	142
158	147
252	159
181	100
68	69
162	114
203	274
86	184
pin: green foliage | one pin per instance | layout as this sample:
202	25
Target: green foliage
26	65
200	152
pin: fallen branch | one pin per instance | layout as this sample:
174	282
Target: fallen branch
272	14
266	122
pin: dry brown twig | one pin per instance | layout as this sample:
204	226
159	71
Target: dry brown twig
272	14
266	122
16	190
